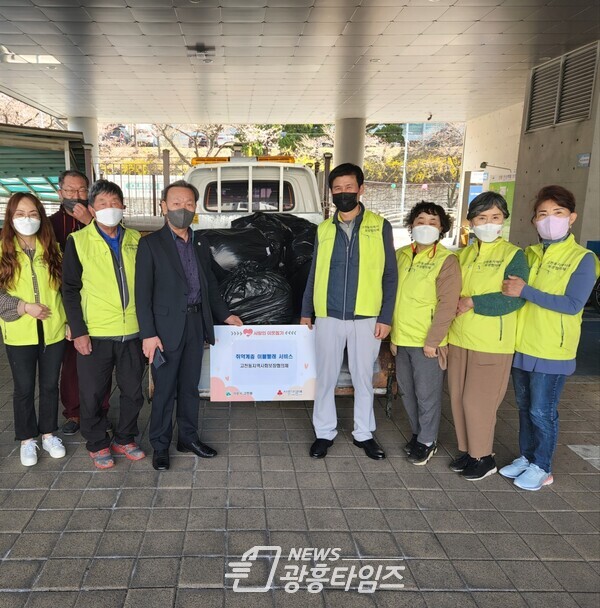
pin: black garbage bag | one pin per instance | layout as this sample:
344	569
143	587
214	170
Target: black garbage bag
272	227
293	222
300	250
258	297
297	280
232	247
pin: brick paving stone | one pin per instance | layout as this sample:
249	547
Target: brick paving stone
61	575
107	598
109	573
43	599
150	598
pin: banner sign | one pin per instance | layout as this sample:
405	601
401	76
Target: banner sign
263	363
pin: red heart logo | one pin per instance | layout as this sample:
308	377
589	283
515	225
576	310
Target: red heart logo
248	332
306	366
279	392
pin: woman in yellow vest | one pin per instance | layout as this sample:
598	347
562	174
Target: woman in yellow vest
561	279
33	322
482	336
428	291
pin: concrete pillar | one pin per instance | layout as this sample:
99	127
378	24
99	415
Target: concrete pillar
89	128
349	145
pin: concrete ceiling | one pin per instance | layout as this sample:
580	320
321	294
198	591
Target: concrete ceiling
285	61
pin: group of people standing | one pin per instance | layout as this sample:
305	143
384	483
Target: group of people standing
480	313
82	293
76	310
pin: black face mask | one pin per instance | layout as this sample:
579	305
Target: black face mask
69	203
180	218
345	201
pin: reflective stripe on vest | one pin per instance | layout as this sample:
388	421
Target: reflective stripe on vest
371	262
23	332
101	300
416	298
482	266
546	333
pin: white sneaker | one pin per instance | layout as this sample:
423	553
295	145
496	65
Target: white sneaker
29	453
54	446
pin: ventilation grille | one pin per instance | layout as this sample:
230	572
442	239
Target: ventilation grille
562	90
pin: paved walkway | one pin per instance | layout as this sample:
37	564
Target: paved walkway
73	536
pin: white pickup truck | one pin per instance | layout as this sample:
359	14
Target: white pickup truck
232	187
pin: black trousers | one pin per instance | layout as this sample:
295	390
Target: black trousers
178	378
95	374
24	362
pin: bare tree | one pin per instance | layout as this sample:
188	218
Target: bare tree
15	112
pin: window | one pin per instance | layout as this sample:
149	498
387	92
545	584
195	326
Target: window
234	196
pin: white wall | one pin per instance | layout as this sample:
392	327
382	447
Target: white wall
494	138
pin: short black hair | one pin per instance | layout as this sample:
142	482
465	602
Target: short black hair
431	209
180	183
347	169
72	173
485	201
561	196
103	186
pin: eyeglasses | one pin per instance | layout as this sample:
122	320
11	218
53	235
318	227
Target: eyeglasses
72	192
34	215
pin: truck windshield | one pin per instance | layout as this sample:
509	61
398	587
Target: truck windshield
234	196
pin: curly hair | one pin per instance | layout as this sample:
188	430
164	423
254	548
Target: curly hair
9	263
430	209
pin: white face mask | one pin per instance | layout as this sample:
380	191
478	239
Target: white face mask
425	234
488	233
111	216
26	225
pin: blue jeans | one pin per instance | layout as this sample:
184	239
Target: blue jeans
537	398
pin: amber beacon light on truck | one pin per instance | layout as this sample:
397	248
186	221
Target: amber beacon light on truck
206	160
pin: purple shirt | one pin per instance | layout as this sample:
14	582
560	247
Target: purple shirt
185	249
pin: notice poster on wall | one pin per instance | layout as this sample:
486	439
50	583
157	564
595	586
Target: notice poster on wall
263	363
507	189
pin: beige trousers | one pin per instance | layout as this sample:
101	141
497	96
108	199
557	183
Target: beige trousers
477	383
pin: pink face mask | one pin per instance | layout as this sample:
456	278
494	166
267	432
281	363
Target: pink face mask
553	227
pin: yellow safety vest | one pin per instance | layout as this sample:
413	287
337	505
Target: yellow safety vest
482	267
545	333
416	298
369	295
100	292
23	332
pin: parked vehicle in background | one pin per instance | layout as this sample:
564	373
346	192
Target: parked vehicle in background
118	135
145	136
277	184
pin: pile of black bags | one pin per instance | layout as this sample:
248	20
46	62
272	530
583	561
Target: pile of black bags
262	264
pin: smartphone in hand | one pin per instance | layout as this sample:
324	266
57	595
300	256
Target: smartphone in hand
158	359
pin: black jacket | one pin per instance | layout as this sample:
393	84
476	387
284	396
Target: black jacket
161	289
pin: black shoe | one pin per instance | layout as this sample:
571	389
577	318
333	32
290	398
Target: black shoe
479	468
421	453
197	447
70	427
371	448
459	464
410	445
319	448
160	460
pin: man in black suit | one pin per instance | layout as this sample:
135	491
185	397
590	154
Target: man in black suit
177	296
